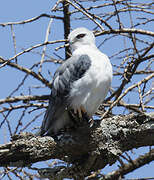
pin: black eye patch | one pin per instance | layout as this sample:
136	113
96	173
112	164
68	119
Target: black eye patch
79	36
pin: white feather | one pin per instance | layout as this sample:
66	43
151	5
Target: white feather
92	88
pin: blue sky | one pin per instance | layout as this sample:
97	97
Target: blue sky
31	34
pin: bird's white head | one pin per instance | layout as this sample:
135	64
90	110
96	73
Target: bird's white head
81	36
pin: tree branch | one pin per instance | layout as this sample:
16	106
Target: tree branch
66	26
31	20
27	71
92	148
126	30
131	166
24	98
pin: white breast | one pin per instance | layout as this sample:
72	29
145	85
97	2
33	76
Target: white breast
92	88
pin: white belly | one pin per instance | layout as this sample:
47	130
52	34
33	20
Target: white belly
92	88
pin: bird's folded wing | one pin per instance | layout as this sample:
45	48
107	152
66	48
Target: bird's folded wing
69	72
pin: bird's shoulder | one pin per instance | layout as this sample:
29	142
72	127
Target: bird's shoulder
70	71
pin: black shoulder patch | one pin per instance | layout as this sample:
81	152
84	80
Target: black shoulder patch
80	67
67	74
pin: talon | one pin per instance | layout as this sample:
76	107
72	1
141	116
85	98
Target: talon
75	111
83	109
79	113
75	118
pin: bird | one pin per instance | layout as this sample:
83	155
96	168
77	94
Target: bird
79	85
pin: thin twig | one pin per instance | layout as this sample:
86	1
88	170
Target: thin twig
126	91
27	71
45	46
83	10
24	98
31	20
31	48
14	42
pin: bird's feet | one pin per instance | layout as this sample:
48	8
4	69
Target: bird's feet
79	116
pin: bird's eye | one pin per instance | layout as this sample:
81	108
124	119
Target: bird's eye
80	36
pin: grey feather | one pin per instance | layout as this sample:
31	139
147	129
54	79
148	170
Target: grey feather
56	116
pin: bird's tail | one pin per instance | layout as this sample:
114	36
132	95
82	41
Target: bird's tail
55	120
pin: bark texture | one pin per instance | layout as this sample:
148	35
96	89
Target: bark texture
88	149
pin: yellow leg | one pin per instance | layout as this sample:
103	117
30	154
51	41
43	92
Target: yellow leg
75	111
82	109
79	111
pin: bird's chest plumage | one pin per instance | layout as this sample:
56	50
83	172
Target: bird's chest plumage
90	90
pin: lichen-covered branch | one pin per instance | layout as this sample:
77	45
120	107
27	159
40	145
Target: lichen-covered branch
92	148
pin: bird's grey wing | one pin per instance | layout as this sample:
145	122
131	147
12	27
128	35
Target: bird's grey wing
70	71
